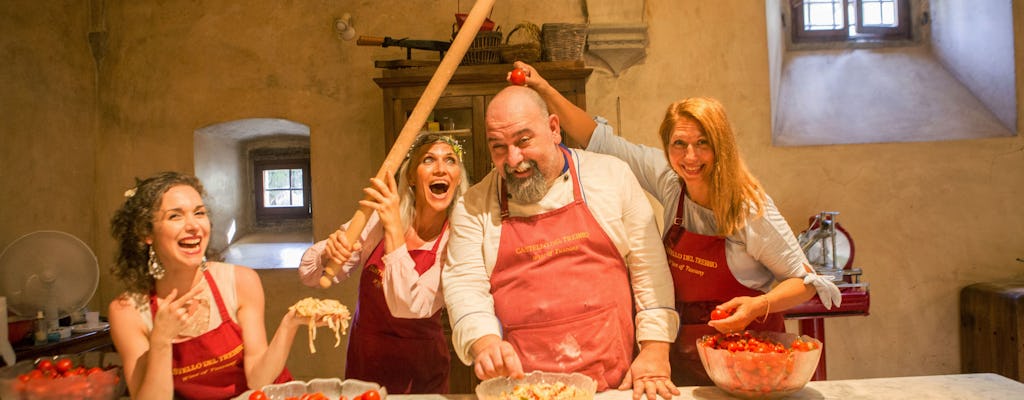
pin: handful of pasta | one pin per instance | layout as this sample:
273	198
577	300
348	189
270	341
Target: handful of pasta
332	312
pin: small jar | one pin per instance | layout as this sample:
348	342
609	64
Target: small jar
40	329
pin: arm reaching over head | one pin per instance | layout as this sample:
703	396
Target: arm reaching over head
575	122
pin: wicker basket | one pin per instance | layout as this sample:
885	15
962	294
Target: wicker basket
563	42
485	48
526	47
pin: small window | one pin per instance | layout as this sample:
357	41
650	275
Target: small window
850	20
282	189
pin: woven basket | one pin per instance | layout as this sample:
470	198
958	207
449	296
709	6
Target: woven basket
526	47
563	42
485	48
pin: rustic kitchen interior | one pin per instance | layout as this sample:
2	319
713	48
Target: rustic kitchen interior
916	146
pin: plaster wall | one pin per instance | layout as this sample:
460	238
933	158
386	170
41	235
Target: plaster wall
48	129
928	218
974	40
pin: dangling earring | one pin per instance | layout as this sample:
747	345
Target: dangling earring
155	269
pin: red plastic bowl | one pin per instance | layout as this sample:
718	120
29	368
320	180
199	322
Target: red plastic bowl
18	328
487	26
755	375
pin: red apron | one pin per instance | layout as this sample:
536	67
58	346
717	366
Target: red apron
402	354
702	281
210	366
562	293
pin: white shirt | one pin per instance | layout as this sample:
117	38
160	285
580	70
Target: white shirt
408	294
620	207
763	251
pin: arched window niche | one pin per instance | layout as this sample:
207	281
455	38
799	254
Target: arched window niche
225	156
954	79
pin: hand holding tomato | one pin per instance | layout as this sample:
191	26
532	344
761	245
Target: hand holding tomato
517	76
720	313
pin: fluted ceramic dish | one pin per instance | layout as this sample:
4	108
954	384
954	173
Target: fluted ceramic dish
331	387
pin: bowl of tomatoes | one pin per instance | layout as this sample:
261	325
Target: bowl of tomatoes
759	365
318	389
83	376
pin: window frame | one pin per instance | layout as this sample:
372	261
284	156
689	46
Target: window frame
272	213
902	30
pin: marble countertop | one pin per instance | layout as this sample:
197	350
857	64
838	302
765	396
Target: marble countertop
963	386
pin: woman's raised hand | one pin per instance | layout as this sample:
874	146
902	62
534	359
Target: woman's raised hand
386	201
172	314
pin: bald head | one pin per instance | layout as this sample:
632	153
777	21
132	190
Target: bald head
518	99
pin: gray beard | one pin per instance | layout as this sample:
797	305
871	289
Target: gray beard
526	190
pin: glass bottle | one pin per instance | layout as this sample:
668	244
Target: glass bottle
40	328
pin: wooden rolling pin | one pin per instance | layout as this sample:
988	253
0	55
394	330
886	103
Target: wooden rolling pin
419	115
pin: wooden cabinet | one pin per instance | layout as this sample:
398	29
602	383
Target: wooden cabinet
462	105
991	328
465	100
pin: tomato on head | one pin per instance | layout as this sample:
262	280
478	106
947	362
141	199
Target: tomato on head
517	76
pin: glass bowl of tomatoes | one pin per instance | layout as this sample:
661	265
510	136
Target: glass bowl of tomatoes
87	376
759	365
318	389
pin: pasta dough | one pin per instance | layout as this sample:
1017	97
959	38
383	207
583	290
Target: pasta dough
335	314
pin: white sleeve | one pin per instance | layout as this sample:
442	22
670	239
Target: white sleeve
653	291
467	283
311	266
648	164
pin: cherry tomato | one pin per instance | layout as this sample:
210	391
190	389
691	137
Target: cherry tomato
517	77
258	395
44	365
371	395
24	377
64	365
719	313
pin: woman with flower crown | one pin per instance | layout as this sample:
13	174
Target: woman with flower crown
185	327
397	338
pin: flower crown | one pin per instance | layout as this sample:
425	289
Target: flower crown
447	139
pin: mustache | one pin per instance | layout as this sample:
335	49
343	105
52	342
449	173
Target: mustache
525	163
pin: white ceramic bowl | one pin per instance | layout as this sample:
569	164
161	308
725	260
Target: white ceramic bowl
331	387
753	375
493	388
